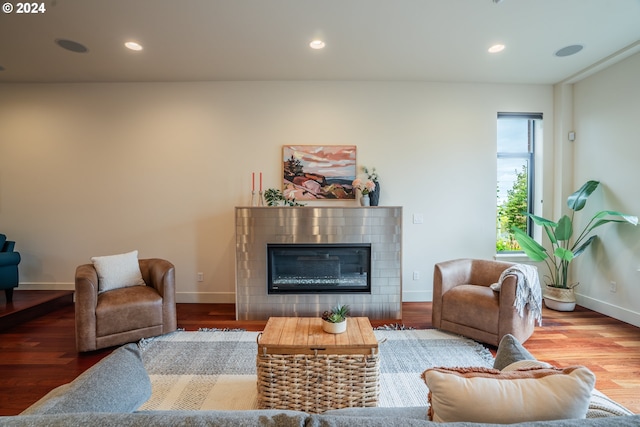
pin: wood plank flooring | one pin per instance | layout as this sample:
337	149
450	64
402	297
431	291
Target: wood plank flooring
39	355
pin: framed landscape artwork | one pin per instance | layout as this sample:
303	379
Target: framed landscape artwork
313	172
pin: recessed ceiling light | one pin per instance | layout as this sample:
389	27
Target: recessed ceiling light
317	44
71	46
496	48
133	46
569	50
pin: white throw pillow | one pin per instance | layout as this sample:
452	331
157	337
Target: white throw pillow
483	395
117	271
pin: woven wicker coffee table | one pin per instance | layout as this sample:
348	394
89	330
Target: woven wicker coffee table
301	367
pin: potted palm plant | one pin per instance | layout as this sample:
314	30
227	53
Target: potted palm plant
335	321
559	293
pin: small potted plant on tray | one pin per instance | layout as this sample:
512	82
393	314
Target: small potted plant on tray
335	321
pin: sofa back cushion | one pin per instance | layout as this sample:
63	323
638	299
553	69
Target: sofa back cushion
118	383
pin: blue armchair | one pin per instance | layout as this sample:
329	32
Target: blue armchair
9	261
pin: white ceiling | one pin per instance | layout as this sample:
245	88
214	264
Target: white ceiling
398	40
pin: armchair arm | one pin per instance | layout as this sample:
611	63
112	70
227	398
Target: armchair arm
446	276
508	295
86	283
510	321
160	275
9	258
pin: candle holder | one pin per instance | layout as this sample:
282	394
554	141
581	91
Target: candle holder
253	198
261	199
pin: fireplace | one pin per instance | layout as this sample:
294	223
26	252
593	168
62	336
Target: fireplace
316	230
318	268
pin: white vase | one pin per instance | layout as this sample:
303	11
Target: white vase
364	200
334	328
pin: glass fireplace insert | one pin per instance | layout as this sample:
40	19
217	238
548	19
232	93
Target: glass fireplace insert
318	268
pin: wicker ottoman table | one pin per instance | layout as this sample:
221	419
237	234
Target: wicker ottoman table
301	367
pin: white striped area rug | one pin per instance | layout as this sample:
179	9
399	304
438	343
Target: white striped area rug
217	369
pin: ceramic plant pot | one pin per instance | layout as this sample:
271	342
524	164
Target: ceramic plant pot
334	328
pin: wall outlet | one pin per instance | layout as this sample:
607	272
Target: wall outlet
200	276
418	218
416	275
613	286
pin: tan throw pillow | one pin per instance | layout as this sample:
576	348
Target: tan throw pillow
599	404
482	395
526	364
117	271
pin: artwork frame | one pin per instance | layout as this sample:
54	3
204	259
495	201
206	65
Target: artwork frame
318	172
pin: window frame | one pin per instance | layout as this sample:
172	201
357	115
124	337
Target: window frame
534	120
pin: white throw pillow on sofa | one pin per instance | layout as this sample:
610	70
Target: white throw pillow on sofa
117	271
484	395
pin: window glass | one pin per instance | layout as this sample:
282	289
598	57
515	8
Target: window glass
513	135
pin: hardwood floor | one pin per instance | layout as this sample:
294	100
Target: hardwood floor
39	355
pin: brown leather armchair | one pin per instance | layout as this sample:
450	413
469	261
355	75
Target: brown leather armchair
124	315
464	303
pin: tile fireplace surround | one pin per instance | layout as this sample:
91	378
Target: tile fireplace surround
256	226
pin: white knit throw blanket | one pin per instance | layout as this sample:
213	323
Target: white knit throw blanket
528	291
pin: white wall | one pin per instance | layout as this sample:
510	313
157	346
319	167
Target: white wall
96	169
607	148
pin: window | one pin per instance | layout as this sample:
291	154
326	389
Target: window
518	134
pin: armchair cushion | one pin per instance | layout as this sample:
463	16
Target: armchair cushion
122	310
118	271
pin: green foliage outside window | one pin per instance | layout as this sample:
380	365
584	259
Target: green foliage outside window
513	213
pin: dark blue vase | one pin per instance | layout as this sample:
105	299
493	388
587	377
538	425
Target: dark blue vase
374	196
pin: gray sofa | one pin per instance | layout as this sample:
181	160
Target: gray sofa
109	393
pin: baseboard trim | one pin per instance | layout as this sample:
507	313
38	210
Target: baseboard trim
610	310
417	296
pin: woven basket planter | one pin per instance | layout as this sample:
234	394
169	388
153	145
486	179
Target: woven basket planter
559	299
